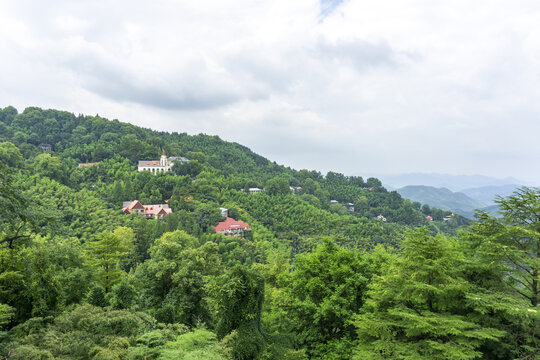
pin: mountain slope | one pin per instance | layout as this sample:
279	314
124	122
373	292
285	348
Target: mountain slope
487	194
441	198
215	177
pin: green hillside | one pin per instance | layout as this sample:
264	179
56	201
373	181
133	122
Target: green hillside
441	198
325	266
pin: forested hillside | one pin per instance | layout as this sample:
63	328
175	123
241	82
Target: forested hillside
334	266
442	198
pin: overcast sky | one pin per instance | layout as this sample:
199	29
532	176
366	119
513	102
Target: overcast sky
359	87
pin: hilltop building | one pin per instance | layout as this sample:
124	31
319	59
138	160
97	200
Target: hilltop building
295	189
156	211
88	164
255	191
231	227
348	206
162	165
449	217
46	147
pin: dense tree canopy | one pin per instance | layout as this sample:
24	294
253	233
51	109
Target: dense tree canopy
334	267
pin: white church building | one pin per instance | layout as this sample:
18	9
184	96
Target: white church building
162	165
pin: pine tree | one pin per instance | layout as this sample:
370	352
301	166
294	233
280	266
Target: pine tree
240	295
504	265
105	254
418	308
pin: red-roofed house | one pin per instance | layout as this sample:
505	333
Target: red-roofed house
231	227
429	218
157	211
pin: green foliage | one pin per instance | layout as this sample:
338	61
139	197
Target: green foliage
239	297
86	332
59	209
105	255
507	270
198	344
97	296
311	280
192	168
174	278
10	155
325	291
277	186
122	295
47	165
17	215
521	240
6	312
207	216
418	307
42	278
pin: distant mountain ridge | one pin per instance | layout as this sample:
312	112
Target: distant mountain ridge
441	198
454	183
488	194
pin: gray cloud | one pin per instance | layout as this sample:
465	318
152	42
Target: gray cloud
357	87
183	93
193	86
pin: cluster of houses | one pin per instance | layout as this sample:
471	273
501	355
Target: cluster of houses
446	218
163	165
348	206
228	227
256	190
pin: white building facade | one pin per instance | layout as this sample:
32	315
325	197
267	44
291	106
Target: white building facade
164	164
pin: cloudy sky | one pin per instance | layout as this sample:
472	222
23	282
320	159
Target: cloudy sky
359	87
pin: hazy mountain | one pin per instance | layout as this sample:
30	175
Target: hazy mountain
442	198
493	210
451	182
487	194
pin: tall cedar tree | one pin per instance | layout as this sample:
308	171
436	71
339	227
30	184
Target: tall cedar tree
418	308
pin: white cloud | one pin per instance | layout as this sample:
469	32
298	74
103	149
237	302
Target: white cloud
357	87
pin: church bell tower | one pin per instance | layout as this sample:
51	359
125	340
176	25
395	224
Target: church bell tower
163	160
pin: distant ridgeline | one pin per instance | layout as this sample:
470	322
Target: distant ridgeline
120	242
442	198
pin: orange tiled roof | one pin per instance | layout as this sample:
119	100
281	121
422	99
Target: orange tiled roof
231	224
154	209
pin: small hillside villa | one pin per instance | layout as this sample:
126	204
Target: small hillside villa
231	227
156	211
164	164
